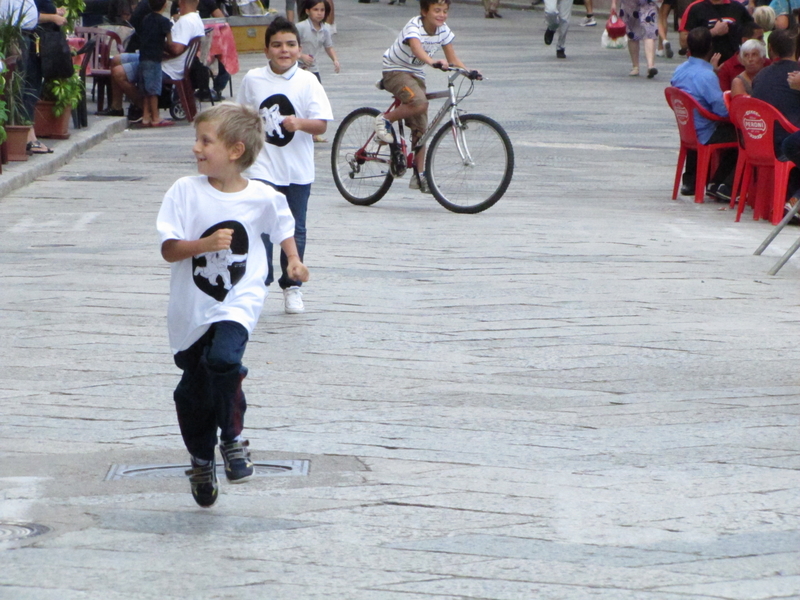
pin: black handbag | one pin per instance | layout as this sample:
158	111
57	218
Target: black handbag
55	54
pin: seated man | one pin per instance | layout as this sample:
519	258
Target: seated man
732	67
124	68
773	85
696	77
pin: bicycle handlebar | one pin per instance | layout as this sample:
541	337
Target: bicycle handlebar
471	75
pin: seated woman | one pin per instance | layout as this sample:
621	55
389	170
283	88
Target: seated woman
752	55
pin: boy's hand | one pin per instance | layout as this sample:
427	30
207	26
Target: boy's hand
219	240
336	66
297	270
291	123
440	64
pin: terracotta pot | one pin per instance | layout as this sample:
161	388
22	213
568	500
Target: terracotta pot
17	142
48	126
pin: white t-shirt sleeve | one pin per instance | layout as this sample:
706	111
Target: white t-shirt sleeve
317	104
170	222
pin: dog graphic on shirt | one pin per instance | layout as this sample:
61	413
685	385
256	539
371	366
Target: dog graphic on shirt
272	119
217	264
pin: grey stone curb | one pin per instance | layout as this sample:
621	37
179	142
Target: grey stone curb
49	164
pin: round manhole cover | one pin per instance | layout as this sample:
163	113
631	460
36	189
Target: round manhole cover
19	531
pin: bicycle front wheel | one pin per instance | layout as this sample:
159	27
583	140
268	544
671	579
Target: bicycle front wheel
469	166
360	164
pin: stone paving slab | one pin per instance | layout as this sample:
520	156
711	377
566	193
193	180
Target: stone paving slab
587	391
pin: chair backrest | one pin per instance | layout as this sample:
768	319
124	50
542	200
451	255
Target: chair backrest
726	98
685	106
756	120
105	42
88	50
191	53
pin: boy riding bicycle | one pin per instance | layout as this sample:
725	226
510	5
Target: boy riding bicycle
403	77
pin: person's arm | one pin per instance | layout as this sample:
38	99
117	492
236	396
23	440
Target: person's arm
710	91
737	88
296	270
452	57
312	126
175	250
332	53
416	47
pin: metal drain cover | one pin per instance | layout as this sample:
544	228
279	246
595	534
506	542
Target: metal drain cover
102	178
20	531
273	468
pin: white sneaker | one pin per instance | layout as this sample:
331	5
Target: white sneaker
588	22
660	53
383	130
293	301
419	183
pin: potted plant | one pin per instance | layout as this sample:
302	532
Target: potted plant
16	125
59	97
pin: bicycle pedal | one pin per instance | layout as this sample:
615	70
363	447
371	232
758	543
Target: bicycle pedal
397	165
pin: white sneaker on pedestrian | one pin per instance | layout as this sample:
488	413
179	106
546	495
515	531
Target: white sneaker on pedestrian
383	130
419	183
660	53
588	22
293	301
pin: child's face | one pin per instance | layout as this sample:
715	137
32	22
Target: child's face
215	159
435	16
283	51
316	13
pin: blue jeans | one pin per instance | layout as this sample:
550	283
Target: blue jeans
297	199
209	395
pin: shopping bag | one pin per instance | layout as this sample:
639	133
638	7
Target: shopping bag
613	44
615	26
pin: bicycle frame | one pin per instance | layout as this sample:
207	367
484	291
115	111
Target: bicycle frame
450	107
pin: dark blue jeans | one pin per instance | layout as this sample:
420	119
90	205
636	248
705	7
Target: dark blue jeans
209	395
297	199
790	148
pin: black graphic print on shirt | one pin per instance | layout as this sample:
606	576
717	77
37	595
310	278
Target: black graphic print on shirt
272	112
215	273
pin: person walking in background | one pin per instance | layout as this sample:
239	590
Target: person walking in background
316	37
640	17
556	15
490	6
588	20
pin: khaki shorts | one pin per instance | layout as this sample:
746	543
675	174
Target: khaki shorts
410	90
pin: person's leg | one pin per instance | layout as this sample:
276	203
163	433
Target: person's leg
650	55
633	49
648	19
297	198
564	14
225	376
195	409
550	18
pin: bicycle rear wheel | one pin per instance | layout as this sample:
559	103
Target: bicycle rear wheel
360	164
469	167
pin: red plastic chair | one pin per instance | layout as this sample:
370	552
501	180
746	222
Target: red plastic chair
99	69
684	107
756	120
741	160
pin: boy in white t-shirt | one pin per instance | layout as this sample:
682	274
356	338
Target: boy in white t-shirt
294	108
404	78
210	227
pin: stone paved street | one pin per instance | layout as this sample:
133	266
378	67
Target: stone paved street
589	391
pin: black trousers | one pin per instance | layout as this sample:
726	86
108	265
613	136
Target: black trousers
725	132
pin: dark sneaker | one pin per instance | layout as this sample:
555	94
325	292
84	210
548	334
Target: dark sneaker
560	53
549	34
203	479
687	190
238	467
711	190
723	193
134	113
652	72
668	49
110	112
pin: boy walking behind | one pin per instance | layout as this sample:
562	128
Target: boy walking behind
404	78
154	33
294	108
210	226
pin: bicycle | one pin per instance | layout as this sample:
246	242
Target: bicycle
469	163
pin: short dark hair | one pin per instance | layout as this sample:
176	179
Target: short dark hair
699	42
309	4
156	5
426	4
782	43
279	25
749	30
